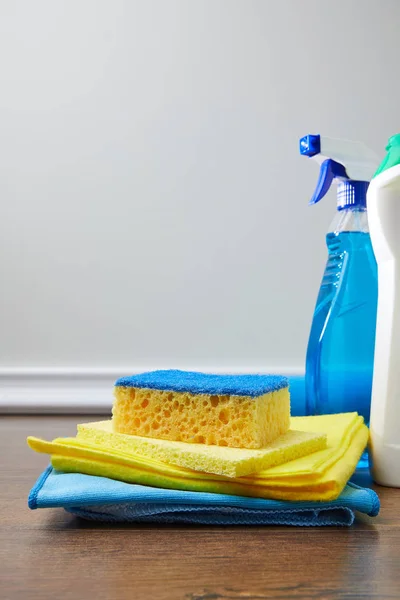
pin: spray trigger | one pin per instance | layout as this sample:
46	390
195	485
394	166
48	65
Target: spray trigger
330	170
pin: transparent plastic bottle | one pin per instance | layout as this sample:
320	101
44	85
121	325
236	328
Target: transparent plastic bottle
340	353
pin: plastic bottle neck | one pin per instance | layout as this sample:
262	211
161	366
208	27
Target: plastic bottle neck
352	218
352	194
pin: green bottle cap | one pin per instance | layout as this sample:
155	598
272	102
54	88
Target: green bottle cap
392	157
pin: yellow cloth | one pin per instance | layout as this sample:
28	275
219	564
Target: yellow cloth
319	476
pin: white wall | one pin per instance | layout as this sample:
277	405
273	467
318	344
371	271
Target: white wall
154	206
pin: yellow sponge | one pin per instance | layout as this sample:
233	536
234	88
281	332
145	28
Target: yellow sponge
240	411
231	462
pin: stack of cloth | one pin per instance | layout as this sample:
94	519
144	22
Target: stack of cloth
195	448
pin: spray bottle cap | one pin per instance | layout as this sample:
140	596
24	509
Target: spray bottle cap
350	164
392	157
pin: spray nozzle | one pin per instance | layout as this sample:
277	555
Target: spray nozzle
350	164
392	157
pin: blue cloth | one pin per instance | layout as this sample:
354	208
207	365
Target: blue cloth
104	499
206	383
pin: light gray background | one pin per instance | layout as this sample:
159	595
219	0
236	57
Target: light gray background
154	205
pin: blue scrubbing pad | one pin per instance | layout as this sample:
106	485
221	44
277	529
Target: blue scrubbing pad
206	383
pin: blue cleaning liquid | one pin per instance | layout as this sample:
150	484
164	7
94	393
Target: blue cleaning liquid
340	353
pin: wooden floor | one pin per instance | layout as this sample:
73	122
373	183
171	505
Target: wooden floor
49	554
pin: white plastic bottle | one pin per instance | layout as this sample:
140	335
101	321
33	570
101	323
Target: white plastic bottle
383	202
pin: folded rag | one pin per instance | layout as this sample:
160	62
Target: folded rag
103	499
321	476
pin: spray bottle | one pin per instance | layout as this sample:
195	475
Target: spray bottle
340	353
384	216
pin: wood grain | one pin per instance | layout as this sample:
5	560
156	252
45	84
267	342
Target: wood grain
49	554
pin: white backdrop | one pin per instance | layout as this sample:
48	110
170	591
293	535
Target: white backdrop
154	205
